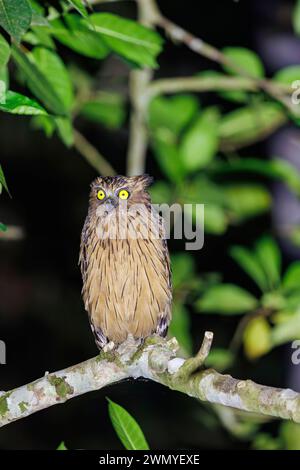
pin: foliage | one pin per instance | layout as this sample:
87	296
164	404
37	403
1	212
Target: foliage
47	52
126	427
3	184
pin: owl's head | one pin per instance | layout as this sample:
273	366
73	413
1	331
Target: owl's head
110	192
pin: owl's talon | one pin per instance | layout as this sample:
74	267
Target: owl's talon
109	346
153	339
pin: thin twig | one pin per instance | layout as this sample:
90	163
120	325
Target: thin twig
199	84
178	34
220	83
205	347
92	156
193	364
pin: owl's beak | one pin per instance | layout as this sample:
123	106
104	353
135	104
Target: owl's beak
111	203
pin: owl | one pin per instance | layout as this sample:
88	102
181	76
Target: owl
124	262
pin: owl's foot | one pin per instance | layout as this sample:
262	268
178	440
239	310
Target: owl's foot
109	347
153	339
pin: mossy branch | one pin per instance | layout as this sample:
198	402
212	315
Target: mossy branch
156	360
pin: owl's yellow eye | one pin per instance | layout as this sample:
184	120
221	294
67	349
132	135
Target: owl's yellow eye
123	194
101	194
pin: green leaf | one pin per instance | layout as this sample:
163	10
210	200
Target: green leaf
65	130
79	37
203	189
250	265
180	327
16	103
199	144
3	180
226	299
288	75
128	38
38	83
38	19
161	193
276	169
294	235
173	113
168	158
4	51
51	66
38	36
126	427
269	256
273	300
62	446
238	96
15	17
4	80
215	219
235	96
257	338
35	6
49	124
45	123
291	279
247	200
290	434
264	441
167	119
107	108
286	331
183	268
246	60
2	91
296	17
3	227
244	124
78	5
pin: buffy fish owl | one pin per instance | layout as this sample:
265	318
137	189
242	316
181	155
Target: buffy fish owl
124	262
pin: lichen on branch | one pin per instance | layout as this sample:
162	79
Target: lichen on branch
158	360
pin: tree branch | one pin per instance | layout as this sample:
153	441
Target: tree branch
92	156
178	34
220	83
139	80
155	360
138	139
199	84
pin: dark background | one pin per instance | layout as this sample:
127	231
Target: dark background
42	319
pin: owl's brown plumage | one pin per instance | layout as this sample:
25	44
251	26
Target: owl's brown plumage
126	281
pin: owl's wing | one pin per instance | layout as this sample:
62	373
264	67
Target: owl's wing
165	318
100	338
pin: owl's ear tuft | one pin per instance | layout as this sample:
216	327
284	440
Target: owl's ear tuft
98	181
144	180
